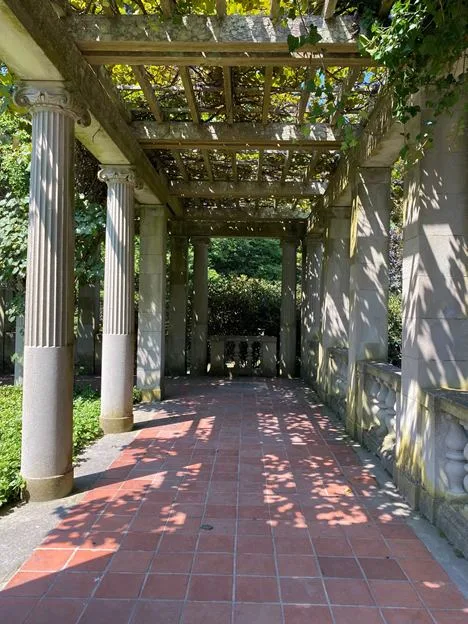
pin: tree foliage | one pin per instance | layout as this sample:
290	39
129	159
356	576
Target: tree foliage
252	257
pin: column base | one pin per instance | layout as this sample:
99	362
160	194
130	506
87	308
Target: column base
116	425
48	488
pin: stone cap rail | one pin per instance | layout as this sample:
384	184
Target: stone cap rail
388	373
262	339
452	402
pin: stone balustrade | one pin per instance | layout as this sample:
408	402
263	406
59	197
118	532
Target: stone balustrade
337	379
379	386
243	355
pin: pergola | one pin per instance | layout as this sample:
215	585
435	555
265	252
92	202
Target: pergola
204	121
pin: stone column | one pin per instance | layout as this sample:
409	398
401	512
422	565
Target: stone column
152	303
312	256
287	350
88	323
176	351
335	290
118	317
435	300
200	306
368	287
46	461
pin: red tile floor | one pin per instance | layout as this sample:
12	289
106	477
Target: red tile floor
237	503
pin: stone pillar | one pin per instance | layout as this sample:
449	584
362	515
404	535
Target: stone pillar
287	350
200	306
46	460
19	349
312	256
435	300
88	324
335	290
368	287
176	352
152	303
118	317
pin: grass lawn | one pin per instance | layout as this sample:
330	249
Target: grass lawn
86	405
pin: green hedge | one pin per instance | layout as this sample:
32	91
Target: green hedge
394	329
86	407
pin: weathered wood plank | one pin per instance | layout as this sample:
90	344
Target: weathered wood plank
243	135
199	33
252	190
239	226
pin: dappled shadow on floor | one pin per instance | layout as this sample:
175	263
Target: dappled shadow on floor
239	503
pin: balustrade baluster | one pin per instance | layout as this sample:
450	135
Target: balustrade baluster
455	443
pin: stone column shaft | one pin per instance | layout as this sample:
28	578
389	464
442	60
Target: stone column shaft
176	351
287	355
311	306
118	315
46	461
152	303
368	289
200	306
335	290
435	299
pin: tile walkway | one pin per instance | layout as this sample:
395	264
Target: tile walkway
238	503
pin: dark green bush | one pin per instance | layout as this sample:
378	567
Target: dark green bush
394	329
86	407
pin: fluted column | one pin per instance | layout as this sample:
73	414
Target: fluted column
312	255
200	306
118	317
152	303
368	287
287	354
335	291
176	351
46	461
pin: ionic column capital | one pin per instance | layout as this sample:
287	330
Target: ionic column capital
201	240
51	96
118	174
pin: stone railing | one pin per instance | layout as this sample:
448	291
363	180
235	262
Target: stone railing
380	385
243	355
337	379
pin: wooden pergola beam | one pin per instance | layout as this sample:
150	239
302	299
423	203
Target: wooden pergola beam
241	136
278	228
251	190
201	34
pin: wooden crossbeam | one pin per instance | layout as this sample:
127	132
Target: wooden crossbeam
252	190
329	8
241	136
199	33
238	226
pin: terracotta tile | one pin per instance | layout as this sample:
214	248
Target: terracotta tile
406	616
257	613
382	569
339	567
258	565
348	592
213	563
166	612
131	561
89	561
292	545
254	544
352	615
165	586
297	565
408	549
140	541
332	546
440	595
179	563
178	543
394	594
108	612
307	614
422	570
120	585
29	584
46	560
204	587
215	543
56	611
450	617
102	540
397	531
206	613
74	585
302	590
14	609
256	589
369	548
